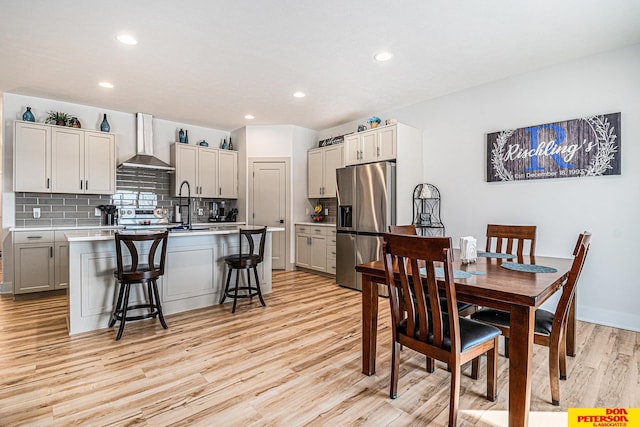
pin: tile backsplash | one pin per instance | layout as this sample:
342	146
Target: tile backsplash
135	187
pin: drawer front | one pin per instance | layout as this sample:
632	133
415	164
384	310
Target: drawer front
20	237
331	251
318	231
302	229
331	266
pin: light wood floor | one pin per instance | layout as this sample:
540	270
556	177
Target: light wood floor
295	362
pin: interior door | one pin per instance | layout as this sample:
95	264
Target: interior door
269	205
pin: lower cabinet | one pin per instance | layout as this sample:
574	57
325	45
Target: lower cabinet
313	245
33	255
41	261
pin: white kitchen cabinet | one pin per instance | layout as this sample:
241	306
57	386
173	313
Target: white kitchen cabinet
61	261
33	257
373	145
207	172
228	174
210	172
57	159
32	157
311	248
321	170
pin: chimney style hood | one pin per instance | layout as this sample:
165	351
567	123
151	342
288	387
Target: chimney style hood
144	147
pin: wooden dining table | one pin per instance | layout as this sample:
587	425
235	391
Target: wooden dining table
494	286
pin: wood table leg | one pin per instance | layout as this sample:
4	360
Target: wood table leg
369	325
571	328
520	360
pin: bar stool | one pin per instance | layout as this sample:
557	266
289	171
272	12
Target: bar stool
245	261
139	273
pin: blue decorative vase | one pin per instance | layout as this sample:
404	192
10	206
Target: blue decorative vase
181	136
104	126
186	136
28	116
224	144
204	143
230	144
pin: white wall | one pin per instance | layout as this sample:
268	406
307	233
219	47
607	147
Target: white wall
455	129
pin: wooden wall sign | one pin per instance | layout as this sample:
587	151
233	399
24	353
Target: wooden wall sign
589	146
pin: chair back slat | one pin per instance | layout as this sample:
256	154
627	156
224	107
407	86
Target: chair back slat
249	234
511	235
403	229
129	240
424	320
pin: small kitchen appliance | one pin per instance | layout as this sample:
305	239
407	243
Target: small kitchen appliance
109	214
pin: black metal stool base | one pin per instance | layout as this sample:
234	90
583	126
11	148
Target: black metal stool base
122	306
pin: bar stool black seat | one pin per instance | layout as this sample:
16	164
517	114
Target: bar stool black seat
245	260
139	273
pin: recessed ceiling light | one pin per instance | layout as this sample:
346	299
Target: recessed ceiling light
106	84
299	94
249	117
127	39
383	56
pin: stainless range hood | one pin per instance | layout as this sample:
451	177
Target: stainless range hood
144	157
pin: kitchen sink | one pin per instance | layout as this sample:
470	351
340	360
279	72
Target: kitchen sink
185	229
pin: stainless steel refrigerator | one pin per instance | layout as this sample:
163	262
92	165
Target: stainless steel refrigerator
366	208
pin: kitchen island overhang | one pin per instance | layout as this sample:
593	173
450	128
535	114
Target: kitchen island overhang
194	276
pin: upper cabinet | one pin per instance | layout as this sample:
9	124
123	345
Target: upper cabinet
210	172
321	166
57	159
373	145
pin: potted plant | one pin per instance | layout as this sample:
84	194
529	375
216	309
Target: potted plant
374	121
58	118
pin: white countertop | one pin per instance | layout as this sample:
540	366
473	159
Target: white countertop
84	227
319	224
94	235
116	227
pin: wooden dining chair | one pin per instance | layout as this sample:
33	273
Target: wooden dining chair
503	238
550	328
423	325
464	308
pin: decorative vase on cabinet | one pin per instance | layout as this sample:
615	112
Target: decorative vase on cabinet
28	116
104	126
181	136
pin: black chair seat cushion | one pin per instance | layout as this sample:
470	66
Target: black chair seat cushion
472	333
143	272
543	322
244	261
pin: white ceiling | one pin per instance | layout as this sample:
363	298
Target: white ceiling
210	62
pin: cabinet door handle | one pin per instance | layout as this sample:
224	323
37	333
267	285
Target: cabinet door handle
48	182
81	184
86	185
220	191
377	151
50	251
34	237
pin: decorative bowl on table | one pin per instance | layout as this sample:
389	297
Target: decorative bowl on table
317	218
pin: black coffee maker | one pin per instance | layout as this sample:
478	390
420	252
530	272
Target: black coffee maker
109	214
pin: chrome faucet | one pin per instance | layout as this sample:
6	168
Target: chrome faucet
188	202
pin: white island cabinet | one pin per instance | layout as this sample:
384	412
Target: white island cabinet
195	273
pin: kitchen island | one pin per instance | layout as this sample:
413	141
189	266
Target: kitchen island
194	272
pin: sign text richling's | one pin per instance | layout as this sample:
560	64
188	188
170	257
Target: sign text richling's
589	146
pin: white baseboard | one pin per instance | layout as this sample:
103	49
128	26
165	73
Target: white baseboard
614	319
